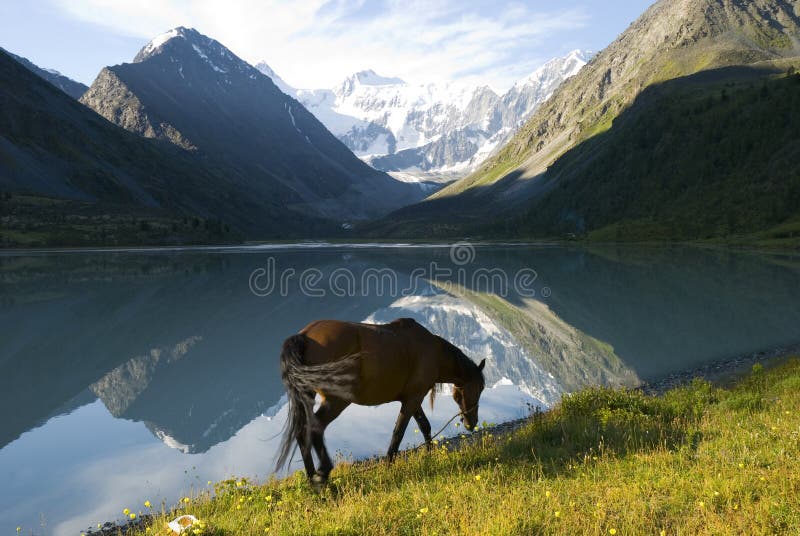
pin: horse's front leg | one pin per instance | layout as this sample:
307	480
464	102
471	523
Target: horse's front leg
424	426
407	410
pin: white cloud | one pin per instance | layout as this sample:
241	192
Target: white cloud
315	43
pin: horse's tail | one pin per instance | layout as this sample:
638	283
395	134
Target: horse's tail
301	403
338	378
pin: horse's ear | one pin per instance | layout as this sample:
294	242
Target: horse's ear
482	364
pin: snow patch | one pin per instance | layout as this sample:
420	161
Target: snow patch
173	443
291	116
159	40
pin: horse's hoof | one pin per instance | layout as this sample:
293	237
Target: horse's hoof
318	482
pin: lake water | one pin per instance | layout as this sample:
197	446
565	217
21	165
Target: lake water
141	375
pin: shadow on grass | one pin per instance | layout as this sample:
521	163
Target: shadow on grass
611	422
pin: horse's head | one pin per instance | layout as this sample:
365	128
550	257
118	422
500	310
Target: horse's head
468	395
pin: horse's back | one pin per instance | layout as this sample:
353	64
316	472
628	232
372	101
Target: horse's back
328	340
391	353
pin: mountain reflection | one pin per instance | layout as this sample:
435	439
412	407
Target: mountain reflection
179	342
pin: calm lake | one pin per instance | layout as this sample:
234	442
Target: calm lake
128	376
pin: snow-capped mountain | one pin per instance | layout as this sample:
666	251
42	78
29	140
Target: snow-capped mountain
192	91
428	129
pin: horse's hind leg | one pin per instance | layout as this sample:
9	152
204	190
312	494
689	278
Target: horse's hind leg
329	409
305	448
424	426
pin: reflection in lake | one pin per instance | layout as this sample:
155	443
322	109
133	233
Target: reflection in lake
133	376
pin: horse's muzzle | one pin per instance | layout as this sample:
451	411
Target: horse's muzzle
469	426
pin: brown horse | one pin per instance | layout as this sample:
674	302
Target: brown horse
349	363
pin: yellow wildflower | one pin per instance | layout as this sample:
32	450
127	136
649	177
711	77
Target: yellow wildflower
612	531
186	500
477	477
547	493
423	510
126	511
558	514
147	504
132	515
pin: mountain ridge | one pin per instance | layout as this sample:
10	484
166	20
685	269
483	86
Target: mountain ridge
428	130
69	86
66	170
672	39
188	89
611	83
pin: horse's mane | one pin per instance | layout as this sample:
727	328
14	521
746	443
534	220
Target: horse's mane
463	362
437	389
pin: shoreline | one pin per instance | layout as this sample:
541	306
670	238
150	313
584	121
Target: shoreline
721	371
788	249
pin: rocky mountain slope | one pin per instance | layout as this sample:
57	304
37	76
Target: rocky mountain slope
672	39
190	90
69	177
428	130
67	85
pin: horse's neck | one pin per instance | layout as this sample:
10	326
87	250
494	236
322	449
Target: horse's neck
451	370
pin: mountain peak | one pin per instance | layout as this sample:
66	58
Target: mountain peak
184	46
366	77
265	69
202	45
159	41
563	68
369	77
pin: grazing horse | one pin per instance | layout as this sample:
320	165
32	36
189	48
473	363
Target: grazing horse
348	363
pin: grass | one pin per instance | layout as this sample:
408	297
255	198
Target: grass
696	460
34	222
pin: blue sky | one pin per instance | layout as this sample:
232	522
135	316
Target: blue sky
316	43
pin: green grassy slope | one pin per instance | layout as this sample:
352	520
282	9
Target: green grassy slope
689	160
697	460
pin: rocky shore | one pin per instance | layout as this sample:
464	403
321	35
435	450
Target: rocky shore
722	371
